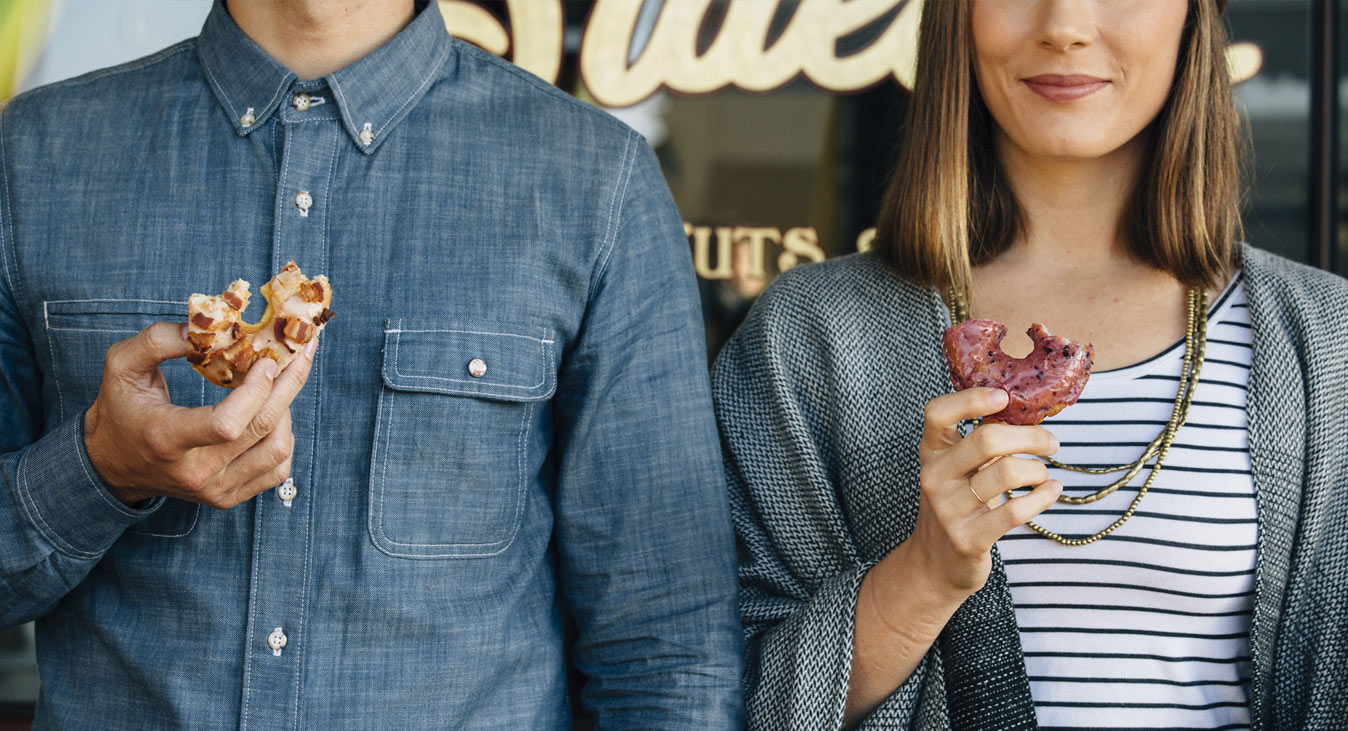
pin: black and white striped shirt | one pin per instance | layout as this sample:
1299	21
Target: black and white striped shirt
1148	628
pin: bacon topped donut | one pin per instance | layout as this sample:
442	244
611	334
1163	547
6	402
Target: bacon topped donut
1041	384
225	346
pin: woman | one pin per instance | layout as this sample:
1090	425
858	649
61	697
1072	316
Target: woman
1074	164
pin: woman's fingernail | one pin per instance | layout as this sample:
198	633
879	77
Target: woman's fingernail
311	348
998	397
268	367
1055	444
1057	488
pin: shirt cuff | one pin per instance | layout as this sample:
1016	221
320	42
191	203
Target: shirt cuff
66	501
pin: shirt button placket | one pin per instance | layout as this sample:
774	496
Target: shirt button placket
283	526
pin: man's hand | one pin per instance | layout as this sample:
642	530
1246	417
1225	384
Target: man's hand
143	446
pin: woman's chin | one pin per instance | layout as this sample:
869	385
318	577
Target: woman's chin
1074	149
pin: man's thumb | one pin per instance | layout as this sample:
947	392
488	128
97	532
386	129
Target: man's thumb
157	343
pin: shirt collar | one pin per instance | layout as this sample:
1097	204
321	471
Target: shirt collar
372	94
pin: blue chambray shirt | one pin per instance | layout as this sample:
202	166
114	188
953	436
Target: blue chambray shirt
445	524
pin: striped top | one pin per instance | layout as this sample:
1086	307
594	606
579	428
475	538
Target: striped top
1149	627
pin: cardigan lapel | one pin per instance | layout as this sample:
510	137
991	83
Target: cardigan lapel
986	683
1277	426
985	678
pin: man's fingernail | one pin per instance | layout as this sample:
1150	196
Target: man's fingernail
311	348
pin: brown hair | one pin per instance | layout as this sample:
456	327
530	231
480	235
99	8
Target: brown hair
949	207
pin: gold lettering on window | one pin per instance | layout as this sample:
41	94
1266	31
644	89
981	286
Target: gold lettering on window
738	56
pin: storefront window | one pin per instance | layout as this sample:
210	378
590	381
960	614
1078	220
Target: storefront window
1277	103
779	163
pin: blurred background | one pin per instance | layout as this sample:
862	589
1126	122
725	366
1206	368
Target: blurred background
776	156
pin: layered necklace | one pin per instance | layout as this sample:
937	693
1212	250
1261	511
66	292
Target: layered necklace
1195	345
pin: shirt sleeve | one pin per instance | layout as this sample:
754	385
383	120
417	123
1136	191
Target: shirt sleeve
647	562
56	517
799	569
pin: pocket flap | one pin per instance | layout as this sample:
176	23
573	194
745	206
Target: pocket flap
439	358
110	315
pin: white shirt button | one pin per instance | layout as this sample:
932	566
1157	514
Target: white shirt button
304	202
287	492
276	641
300	102
247	119
367	134
477	368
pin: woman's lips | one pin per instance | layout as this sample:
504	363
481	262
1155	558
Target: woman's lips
1064	88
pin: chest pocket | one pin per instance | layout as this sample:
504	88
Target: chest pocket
449	460
79	333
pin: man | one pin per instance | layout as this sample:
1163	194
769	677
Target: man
508	420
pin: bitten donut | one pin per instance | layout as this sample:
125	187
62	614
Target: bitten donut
1041	384
225	346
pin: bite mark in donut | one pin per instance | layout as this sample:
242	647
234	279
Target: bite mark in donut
1040	385
225	346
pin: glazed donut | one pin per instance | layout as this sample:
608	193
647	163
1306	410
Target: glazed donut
225	347
1041	384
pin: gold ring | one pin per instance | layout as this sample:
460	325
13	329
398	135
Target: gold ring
975	492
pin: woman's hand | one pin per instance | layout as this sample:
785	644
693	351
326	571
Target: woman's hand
963	510
907	599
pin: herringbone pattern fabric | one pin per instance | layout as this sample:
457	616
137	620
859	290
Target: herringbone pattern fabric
820	398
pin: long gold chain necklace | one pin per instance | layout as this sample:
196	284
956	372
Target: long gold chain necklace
1195	347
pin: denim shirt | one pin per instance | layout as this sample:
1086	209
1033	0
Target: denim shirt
445	525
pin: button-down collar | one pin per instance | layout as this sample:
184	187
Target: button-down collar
373	94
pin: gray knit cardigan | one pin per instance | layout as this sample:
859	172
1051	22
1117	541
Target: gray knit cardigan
820	396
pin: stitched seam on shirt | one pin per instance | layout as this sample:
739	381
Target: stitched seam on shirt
89	330
281	206
116	299
215	83
163	55
93	481
275	146
308	563
40	522
292	122
51	353
376	504
47	321
435	68
252	618
539	84
280	89
9	222
342	106
327	195
541	343
317	375
614	213
541	382
383	481
470	332
195	517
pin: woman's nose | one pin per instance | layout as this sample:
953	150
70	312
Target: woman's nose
1064	25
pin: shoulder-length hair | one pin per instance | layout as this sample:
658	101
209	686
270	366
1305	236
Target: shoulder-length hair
949	206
